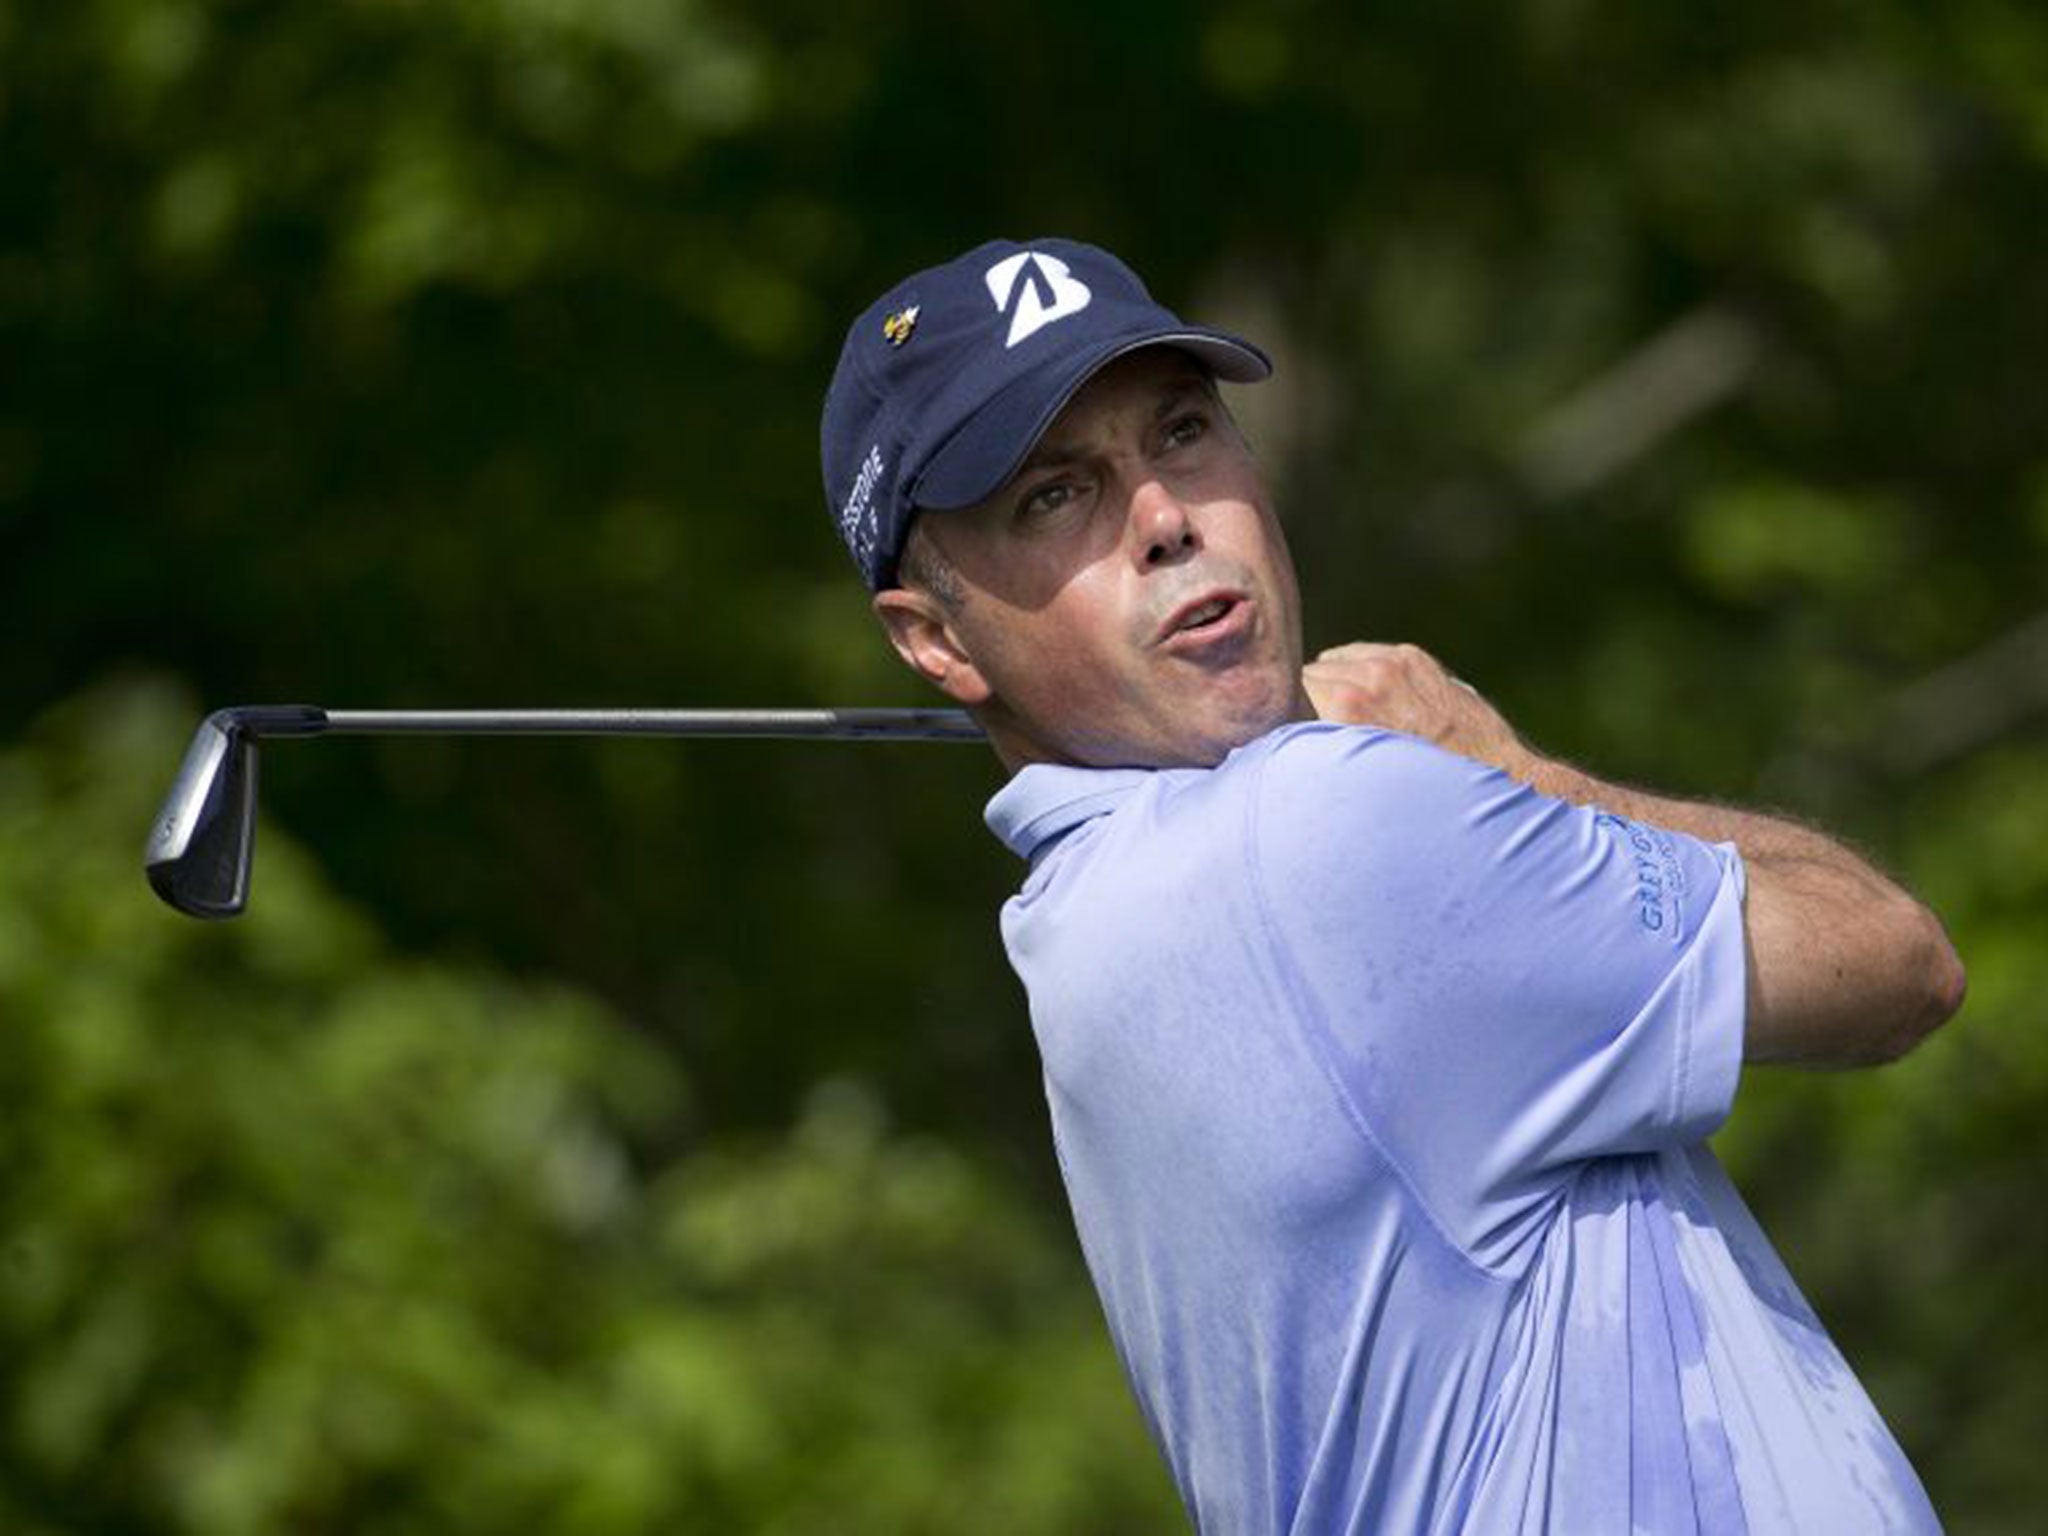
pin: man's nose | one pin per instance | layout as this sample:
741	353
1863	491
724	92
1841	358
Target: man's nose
1162	530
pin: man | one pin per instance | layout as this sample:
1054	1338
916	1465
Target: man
1381	1050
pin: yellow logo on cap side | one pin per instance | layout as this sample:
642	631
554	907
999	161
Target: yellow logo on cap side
897	327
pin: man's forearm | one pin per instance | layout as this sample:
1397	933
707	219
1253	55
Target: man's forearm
1759	837
1845	967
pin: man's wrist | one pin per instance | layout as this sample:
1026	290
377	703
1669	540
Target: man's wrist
1547	775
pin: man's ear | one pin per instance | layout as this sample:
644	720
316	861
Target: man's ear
928	644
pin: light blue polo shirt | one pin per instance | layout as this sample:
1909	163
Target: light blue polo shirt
1380	1084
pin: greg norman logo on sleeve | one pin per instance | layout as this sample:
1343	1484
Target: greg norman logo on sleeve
1659	877
1034	290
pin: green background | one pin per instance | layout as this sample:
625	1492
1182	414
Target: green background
598	1137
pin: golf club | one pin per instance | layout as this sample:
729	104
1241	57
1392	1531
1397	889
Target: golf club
204	838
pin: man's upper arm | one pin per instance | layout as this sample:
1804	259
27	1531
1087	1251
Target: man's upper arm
1503	983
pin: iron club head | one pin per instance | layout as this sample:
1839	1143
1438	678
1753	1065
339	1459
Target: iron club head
204	837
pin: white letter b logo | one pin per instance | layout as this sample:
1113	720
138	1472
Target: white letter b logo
1034	290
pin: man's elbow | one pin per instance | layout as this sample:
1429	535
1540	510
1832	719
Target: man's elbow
1932	980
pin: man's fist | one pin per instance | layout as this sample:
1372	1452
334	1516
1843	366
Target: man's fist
1404	688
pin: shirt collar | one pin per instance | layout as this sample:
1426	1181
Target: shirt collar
1044	801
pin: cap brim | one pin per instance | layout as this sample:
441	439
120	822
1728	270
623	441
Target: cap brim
988	447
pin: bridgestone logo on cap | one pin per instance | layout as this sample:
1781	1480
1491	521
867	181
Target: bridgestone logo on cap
856	520
1034	290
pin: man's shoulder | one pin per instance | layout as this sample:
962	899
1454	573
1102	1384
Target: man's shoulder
1313	768
1336	773
1343	813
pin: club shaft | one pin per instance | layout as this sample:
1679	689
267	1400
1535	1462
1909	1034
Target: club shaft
200	846
811	724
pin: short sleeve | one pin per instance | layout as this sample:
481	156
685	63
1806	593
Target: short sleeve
1500	984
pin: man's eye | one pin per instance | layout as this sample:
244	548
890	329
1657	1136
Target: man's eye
1185	430
1047	498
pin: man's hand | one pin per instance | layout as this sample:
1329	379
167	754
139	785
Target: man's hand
1404	688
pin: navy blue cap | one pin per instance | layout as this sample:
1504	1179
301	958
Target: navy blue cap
948	379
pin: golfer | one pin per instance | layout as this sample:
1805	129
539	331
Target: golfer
1381	1049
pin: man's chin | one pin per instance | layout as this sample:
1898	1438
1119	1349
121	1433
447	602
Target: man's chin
1199	733
1278	700
1242	728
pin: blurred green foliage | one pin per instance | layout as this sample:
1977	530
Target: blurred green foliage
304	1235
630	1135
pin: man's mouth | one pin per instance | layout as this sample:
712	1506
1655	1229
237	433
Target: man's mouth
1211	617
